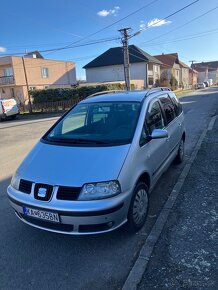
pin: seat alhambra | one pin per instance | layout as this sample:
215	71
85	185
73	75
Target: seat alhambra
94	169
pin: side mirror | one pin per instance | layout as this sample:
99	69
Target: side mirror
159	134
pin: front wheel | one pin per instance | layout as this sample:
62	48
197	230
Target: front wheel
181	152
138	207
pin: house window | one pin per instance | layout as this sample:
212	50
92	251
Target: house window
12	93
8	72
44	71
32	88
155	68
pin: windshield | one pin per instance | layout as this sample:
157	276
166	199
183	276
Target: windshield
97	123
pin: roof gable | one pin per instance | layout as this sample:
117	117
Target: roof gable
168	59
202	66
114	56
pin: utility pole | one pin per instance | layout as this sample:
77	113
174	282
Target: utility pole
192	62
124	39
27	85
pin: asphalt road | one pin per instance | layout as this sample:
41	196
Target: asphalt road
31	258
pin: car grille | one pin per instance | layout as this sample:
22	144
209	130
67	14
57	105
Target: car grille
44	187
68	193
25	186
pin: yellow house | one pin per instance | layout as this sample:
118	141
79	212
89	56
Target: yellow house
18	75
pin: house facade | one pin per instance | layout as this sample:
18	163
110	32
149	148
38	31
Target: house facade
193	77
108	67
18	75
173	67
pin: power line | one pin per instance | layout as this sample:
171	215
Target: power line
178	27
62	48
203	34
115	22
174	13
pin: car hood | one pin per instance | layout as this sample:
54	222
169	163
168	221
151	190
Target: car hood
72	166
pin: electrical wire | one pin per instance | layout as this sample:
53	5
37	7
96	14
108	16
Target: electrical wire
62	48
178	27
115	22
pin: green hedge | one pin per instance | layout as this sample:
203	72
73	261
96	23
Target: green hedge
53	95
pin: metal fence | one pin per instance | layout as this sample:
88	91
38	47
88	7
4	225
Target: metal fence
50	106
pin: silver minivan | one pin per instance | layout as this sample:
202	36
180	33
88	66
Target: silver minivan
95	167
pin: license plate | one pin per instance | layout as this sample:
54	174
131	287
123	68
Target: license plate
41	214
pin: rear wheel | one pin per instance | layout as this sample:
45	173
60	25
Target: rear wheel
138	207
181	152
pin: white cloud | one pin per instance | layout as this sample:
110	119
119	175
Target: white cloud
153	23
104	12
2	49
157	22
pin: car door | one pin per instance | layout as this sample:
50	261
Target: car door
154	151
171	124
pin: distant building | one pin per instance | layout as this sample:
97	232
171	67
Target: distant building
40	74
207	70
172	66
108	67
193	77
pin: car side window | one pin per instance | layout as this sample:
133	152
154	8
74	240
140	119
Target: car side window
153	120
176	103
168	108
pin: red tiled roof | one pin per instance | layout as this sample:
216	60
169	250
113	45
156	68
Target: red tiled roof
168	59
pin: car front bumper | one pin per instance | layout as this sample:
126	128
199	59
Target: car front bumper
76	217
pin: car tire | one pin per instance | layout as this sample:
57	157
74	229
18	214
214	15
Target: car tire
181	152
138	207
13	117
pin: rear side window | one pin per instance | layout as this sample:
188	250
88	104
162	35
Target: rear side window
168	108
176	103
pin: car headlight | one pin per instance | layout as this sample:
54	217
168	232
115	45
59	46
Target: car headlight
99	190
15	181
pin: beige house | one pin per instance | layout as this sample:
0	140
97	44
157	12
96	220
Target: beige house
184	77
171	67
18	75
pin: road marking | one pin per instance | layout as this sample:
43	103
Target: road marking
136	274
212	121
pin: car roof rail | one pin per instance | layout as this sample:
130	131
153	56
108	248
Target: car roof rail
157	89
106	92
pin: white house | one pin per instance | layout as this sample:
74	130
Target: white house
108	67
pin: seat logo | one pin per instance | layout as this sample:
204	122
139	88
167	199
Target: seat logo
42	192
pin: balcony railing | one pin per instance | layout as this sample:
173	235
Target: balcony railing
7	80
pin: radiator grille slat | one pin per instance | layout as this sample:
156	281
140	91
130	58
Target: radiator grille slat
25	186
68	193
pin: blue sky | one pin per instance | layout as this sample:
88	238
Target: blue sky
47	24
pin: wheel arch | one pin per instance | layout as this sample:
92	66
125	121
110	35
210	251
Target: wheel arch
144	177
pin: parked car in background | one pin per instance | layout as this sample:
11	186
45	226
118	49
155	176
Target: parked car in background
200	86
210	82
8	109
207	84
95	167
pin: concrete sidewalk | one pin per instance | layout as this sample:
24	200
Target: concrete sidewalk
185	256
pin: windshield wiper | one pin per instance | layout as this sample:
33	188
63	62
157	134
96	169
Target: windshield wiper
76	141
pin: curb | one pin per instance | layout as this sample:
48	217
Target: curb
141	263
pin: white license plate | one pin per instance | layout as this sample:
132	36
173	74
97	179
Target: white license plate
41	214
